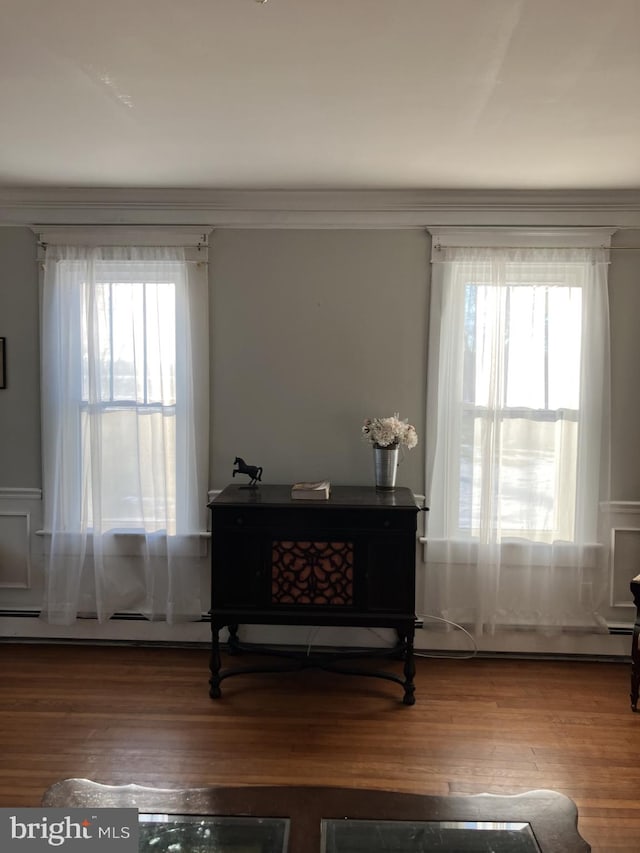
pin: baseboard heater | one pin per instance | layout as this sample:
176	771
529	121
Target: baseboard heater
616	630
123	617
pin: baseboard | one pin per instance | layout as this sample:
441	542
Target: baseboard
20	626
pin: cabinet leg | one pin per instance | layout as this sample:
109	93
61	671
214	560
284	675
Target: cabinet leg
214	665
409	671
233	643
635	666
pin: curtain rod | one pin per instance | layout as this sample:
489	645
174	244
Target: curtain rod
440	246
198	246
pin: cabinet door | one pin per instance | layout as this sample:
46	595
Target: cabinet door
237	570
390	580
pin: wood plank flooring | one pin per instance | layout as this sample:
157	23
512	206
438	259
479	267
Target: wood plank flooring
131	714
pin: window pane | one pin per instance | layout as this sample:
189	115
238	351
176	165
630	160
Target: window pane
161	343
531	486
526	347
128	339
565	347
129	392
521	381
138	470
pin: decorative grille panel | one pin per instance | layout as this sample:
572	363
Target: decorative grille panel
312	573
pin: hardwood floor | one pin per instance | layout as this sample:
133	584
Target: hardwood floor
130	714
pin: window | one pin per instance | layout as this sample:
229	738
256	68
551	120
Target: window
521	396
517	377
517	430
125	416
129	380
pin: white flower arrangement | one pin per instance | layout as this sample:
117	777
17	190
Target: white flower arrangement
389	432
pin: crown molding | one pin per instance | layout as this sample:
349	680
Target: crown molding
317	208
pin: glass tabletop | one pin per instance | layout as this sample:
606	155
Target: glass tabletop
367	836
161	833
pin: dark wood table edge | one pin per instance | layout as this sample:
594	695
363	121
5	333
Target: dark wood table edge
552	816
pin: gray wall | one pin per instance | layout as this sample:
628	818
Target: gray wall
312	331
624	301
20	465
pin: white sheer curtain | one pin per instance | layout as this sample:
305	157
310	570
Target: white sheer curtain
125	402
517	437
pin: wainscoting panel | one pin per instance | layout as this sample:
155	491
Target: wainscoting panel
624	557
15	560
625	563
21	578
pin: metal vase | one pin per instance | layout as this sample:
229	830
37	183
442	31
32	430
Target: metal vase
385	460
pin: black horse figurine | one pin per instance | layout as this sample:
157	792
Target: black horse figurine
254	471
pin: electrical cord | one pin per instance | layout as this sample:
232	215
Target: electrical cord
464	656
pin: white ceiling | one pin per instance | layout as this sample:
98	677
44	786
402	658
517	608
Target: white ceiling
320	94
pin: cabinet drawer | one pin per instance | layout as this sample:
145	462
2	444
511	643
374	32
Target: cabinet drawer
305	518
237	518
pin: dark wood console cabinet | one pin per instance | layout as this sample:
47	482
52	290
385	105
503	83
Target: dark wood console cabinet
345	562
